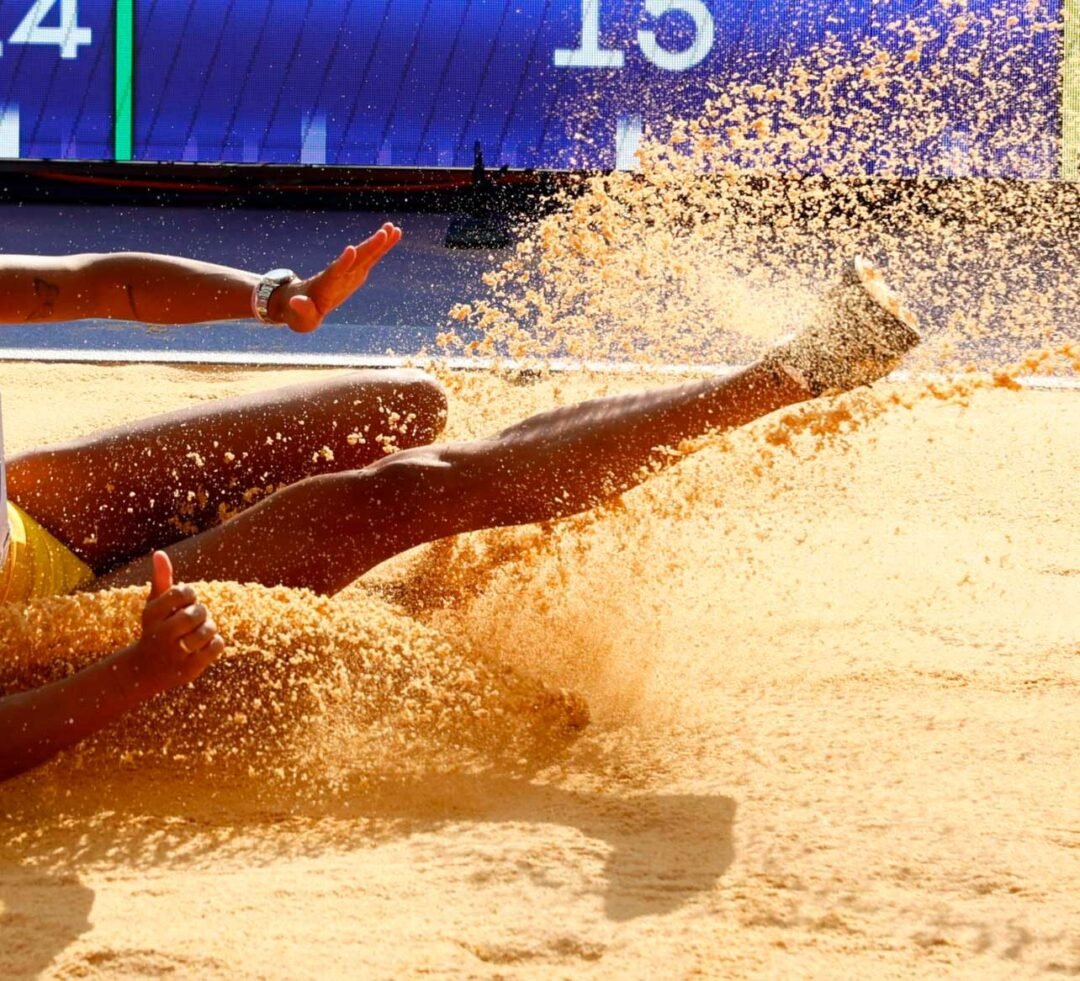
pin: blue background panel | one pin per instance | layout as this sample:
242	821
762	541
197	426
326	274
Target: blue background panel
416	82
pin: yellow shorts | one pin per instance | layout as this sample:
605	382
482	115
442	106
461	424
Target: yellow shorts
37	564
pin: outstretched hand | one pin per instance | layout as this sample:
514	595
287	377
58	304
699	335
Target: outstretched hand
304	305
179	639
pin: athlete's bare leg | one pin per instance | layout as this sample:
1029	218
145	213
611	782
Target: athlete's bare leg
325	531
120	493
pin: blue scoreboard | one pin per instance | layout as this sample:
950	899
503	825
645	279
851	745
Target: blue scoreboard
539	83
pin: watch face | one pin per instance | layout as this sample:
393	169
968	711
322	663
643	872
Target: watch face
280	276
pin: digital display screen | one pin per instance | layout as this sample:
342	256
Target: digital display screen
548	84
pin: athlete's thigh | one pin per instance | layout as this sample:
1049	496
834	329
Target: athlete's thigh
324	532
120	493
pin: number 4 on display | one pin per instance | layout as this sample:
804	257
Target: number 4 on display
67	36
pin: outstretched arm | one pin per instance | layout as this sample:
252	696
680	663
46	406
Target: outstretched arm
158	289
178	642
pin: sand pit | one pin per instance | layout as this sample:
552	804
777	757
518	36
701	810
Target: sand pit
831	661
833	689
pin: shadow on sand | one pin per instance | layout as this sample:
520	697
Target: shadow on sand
662	850
41	915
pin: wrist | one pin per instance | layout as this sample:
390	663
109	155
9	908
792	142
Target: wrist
277	307
135	673
269	304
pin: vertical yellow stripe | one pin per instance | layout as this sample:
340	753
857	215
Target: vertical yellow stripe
1071	91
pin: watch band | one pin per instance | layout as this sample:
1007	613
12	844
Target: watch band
264	289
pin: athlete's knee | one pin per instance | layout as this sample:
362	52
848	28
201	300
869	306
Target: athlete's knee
469	484
412	493
412	474
413	401
426	398
450	471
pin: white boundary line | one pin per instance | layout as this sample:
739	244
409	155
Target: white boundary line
295	360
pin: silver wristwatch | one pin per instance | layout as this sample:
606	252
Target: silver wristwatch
264	289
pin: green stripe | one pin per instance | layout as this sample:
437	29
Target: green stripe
1071	91
125	58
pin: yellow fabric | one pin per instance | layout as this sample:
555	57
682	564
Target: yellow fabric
37	564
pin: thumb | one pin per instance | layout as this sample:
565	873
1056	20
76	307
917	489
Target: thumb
306	315
161	579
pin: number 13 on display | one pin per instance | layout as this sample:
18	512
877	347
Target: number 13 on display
589	54
68	36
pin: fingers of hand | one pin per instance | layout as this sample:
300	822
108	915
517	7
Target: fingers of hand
164	606
392	230
184	622
369	251
372	250
213	649
344	262
393	236
200	637
199	658
346	274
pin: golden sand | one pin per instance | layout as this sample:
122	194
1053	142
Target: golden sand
833	680
829	664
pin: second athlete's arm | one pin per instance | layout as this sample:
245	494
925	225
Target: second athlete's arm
153	289
161	289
